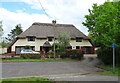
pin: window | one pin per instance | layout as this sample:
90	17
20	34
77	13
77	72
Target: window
78	39
33	48
50	38
31	38
69	47
77	47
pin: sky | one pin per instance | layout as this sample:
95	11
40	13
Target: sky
26	12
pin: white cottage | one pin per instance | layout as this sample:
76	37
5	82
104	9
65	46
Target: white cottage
40	37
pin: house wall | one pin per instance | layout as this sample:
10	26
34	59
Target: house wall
39	42
73	43
3	50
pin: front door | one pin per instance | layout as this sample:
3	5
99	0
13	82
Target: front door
46	49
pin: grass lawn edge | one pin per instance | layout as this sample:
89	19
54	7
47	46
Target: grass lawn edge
35	79
108	71
35	60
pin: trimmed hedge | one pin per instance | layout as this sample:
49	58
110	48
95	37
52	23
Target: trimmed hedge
106	55
74	54
63	55
31	56
10	58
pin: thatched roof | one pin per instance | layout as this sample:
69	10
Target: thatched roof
44	30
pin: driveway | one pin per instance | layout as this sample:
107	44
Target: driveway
45	68
60	71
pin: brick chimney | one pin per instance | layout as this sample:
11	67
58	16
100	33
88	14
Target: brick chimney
54	21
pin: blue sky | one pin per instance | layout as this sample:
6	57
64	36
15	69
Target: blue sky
26	12
14	6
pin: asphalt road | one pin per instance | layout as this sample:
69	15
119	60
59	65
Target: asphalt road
89	77
62	70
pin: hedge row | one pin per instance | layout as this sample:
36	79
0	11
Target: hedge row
31	56
73	54
106	55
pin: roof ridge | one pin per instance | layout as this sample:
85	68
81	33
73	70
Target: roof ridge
50	24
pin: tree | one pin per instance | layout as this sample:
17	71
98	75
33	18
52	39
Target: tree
103	24
62	43
1	30
63	40
4	44
14	33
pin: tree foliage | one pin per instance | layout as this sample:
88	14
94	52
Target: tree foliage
27	47
4	44
103	23
14	33
1	30
63	40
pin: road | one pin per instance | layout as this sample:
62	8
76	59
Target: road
61	70
89	77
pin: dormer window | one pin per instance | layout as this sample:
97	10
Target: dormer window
31	38
50	38
79	39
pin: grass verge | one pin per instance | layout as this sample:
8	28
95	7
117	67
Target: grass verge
35	60
109	70
27	80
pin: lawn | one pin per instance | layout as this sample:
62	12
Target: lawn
109	70
27	80
34	60
0	60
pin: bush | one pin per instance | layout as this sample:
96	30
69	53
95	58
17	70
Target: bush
25	56
63	54
106	55
27	47
74	54
31	56
50	54
35	56
10	58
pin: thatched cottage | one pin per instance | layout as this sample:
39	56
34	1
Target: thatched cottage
40	36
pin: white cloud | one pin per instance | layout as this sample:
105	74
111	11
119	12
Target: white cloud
11	19
64	11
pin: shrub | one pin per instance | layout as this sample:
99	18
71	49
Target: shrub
74	54
10	58
35	56
27	47
106	55
50	54
25	56
63	54
31	56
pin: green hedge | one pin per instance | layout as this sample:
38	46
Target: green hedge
31	56
74	54
10	58
63	55
106	55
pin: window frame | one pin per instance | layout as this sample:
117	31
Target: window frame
31	38
50	39
69	47
77	47
79	39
